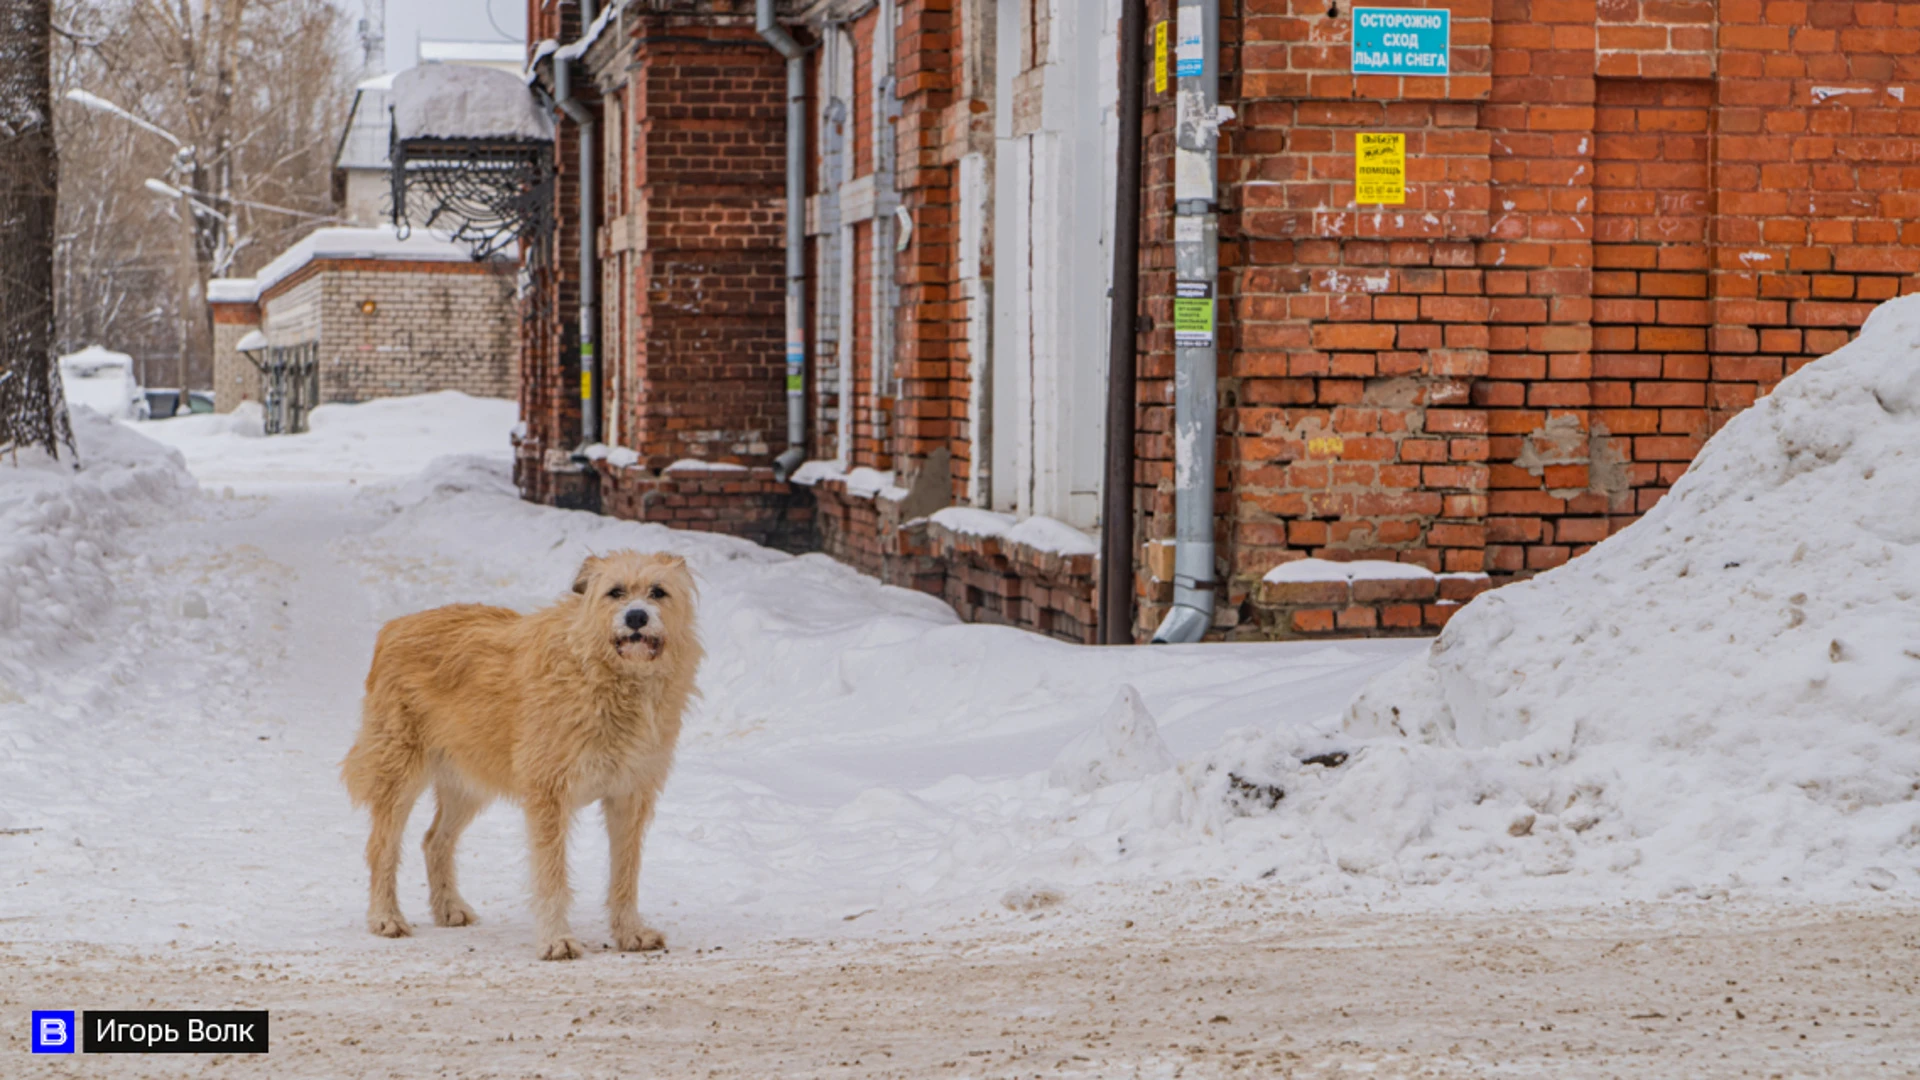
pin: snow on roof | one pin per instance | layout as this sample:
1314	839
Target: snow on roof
253	339
353	242
474	52
363	145
574	50
1356	570
460	101
378	82
544	48
233	290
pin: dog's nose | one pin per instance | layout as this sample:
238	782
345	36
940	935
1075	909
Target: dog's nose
636	618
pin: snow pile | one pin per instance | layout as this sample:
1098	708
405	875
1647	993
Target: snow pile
384	439
58	527
455	474
463	101
1125	744
1725	694
102	380
247	420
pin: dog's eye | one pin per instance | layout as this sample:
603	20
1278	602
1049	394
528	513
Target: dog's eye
618	592
656	593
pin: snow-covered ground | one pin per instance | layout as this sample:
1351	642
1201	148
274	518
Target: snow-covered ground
858	754
180	670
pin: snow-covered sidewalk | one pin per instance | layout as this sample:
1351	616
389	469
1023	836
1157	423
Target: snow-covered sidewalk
861	761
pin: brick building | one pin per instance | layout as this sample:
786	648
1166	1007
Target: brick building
392	317
1623	221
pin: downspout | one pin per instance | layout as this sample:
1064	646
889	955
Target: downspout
1196	265
782	42
583	118
1116	515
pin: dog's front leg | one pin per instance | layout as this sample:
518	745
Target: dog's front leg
627	818
547	820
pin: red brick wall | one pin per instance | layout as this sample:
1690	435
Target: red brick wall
1625	220
700	351
549	364
709	155
942	118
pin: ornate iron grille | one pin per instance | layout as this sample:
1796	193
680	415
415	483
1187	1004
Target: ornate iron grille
485	192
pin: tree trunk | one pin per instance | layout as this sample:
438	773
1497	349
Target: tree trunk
32	412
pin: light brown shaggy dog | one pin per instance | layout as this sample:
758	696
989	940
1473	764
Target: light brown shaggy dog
573	703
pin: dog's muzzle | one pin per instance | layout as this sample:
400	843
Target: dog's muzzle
637	633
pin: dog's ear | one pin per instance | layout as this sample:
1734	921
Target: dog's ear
586	571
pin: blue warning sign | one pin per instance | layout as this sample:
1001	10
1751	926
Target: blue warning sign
1401	41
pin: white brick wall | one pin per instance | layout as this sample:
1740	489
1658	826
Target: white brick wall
442	329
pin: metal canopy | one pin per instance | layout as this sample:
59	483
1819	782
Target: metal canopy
485	192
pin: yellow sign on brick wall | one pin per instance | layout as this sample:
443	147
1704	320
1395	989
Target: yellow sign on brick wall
1160	57
1380	167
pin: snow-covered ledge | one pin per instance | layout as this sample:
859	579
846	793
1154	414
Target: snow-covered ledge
1035	573
1043	535
861	482
1321	596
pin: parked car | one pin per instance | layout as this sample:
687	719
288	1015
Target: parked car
102	380
163	404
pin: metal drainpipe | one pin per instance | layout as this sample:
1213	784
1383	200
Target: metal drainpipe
1116	516
776	35
1196	261
583	118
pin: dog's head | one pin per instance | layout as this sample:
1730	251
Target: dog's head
641	605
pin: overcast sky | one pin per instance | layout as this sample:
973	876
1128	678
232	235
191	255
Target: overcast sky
457	20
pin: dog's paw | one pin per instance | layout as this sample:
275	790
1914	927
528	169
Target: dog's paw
389	925
639	939
562	948
453	912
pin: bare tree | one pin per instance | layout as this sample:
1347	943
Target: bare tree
234	108
31	412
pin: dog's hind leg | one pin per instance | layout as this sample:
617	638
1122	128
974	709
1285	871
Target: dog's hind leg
548	816
627	819
391	799
455	807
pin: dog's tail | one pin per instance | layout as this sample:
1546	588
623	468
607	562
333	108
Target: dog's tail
361	769
357	769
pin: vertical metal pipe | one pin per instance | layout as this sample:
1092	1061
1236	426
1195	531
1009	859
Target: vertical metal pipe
1116	514
1196	259
796	451
589	290
775	35
587	124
